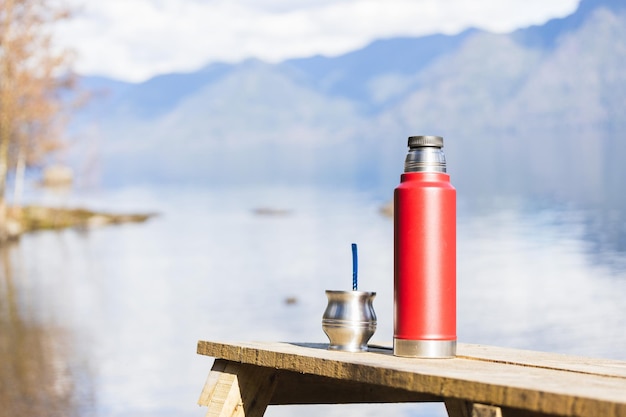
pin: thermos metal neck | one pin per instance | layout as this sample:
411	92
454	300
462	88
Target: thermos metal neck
425	155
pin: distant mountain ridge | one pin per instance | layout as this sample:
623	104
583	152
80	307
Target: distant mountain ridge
537	112
546	35
349	75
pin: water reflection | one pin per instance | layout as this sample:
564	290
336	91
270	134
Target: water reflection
36	375
527	279
110	317
600	229
605	230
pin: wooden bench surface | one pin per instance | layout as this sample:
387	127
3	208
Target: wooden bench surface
540	383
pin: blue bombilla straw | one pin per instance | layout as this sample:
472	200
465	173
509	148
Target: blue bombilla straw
355	268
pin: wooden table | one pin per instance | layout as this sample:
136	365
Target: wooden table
480	381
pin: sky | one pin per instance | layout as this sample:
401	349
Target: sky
134	40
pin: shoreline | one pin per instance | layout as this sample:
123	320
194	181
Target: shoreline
32	218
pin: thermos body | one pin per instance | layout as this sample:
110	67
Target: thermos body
425	263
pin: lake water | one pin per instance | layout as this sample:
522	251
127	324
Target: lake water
104	322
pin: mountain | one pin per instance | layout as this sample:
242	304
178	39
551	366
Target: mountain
547	35
149	99
354	74
538	112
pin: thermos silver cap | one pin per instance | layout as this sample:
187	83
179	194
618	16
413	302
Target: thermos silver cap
425	154
422	141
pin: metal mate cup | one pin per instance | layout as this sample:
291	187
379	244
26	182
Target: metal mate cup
349	320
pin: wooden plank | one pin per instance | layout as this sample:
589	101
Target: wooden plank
556	361
516	412
298	388
478	380
209	386
225	399
237	390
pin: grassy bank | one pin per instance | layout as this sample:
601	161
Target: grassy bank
26	219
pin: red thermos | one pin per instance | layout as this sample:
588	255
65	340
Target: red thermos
425	254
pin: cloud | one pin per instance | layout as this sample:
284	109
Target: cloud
136	39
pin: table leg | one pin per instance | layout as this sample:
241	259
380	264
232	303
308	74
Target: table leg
234	389
462	408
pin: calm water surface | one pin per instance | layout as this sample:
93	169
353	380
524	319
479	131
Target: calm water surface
108	319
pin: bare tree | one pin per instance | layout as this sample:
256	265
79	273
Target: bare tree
32	74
